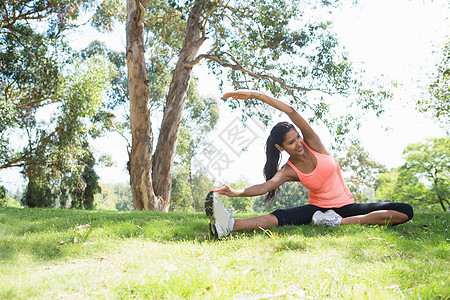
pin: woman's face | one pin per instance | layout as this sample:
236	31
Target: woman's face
293	143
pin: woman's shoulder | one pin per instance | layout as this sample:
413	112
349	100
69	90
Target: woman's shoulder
316	147
288	172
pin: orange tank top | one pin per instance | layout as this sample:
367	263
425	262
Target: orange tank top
326	187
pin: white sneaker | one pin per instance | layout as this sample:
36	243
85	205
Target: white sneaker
221	219
328	218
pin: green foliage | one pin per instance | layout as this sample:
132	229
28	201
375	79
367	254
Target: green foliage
189	189
424	179
2	196
9	202
438	103
29	73
238	204
30	68
114	197
38	194
396	187
165	29
430	161
360	171
87	186
180	194
200	116
291	194
41	75
59	160
107	13
118	91
284	48
200	186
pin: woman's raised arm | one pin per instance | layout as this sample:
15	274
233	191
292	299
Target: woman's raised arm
309	135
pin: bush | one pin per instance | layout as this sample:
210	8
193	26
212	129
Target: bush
7	201
37	195
2	196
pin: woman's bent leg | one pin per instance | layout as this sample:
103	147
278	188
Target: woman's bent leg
376	213
379	217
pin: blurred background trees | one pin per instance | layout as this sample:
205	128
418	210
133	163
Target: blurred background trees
424	179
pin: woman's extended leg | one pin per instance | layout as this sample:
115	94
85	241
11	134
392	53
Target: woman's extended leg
222	222
255	223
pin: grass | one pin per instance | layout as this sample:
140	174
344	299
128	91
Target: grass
46	253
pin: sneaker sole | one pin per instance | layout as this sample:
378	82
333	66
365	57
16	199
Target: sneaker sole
209	210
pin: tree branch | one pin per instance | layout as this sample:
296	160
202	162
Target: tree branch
232	9
238	67
35	104
37	14
15	162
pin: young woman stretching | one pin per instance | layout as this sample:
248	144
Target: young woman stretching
330	201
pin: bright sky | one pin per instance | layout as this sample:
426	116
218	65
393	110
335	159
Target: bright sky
400	39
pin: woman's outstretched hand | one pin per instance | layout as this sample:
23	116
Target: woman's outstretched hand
241	94
227	191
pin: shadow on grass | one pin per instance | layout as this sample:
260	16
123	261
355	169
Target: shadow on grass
56	233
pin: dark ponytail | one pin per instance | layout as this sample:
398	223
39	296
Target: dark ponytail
273	155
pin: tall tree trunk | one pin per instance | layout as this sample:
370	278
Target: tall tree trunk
165	149
140	157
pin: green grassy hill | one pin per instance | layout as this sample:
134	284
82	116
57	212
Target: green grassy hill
46	253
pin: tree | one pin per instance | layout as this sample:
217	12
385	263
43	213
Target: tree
140	163
360	171
106	199
430	162
200	117
182	199
401	186
423	179
255	42
238	204
2	196
200	183
114	197
58	160
438	102
29	72
39	72
291	194
87	185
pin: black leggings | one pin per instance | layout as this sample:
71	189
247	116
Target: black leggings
303	214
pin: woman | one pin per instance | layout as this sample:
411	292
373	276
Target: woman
330	202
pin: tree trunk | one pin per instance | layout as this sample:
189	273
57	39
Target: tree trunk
165	149
438	194
140	157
